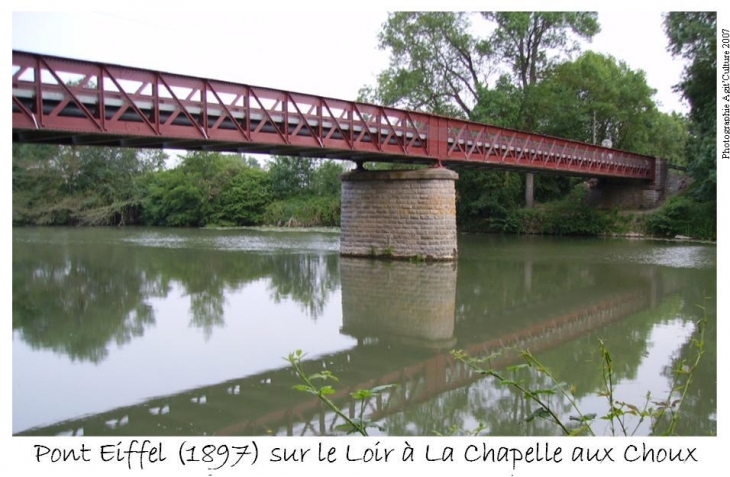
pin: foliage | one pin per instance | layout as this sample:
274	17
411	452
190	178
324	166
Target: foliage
296	176
306	192
524	39
304	211
597	97
618	412
435	64
207	188
290	175
570	215
682	215
486	195
326	179
58	185
79	185
244	200
573	216
692	35
358	425
438	65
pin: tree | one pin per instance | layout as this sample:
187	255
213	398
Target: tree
244	199
290	176
208	188
326	178
80	185
597	97
523	40
692	35
435	64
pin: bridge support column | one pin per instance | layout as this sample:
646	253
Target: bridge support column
529	190
399	214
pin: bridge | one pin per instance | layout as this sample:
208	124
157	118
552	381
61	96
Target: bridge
67	101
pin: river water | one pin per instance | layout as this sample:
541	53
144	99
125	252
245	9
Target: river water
184	332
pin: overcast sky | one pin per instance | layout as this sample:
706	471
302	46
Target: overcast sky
330	53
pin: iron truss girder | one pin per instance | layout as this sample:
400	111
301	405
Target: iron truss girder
124	105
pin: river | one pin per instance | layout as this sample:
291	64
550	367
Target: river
143	331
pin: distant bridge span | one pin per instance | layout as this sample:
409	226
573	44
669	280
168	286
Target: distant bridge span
66	101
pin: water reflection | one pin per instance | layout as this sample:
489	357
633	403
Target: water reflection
77	304
80	297
407	303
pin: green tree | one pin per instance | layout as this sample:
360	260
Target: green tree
598	97
207	188
244	199
80	185
326	178
435	64
522	40
692	35
291	176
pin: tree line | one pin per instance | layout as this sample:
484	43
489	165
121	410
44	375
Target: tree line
527	72
66	185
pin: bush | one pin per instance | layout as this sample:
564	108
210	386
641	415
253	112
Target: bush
304	211
243	201
682	215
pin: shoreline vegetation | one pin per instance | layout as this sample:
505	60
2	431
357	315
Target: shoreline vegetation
59	185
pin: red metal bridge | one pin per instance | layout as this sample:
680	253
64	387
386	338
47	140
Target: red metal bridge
67	101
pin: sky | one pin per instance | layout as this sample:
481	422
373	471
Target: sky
327	53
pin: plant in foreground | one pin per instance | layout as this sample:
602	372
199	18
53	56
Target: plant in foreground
580	423
352	425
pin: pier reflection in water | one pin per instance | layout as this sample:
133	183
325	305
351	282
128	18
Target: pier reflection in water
369	322
411	304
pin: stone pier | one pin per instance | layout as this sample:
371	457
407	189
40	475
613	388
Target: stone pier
399	214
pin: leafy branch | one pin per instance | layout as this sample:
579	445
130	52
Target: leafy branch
617	411
358	425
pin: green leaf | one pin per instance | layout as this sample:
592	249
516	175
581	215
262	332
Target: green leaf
324	375
362	394
325	390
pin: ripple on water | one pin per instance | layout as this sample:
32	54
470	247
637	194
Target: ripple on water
681	256
241	241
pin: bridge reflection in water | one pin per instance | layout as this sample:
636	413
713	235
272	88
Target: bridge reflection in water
389	304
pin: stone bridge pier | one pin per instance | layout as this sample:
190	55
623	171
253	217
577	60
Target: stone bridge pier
631	194
407	214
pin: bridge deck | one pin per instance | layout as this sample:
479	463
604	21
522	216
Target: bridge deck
66	101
